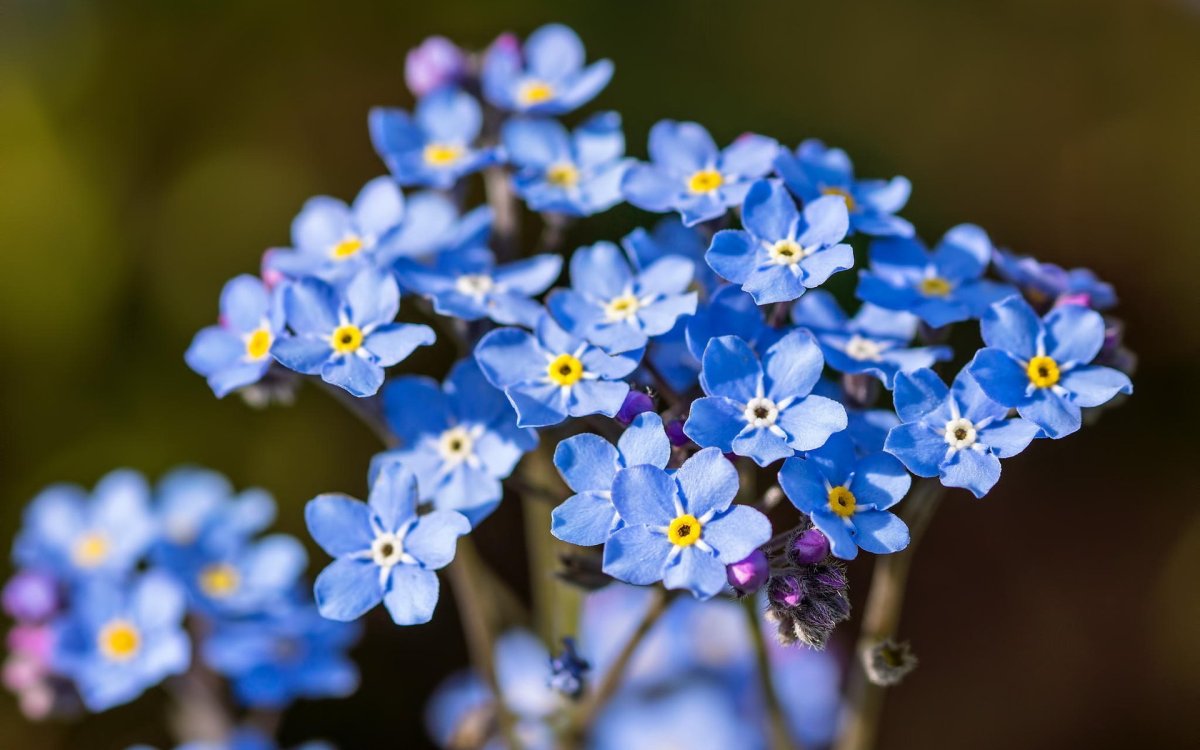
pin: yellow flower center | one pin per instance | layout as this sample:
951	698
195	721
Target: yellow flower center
346	339
347	248
258	343
119	640
685	530
90	550
844	195
705	181
565	370
1043	372
442	154
842	501
219	580
535	92
935	286
786	253
562	175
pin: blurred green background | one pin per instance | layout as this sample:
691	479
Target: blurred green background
151	150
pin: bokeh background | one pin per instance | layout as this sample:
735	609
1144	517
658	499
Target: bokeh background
150	150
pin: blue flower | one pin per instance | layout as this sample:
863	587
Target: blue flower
689	175
874	341
848	497
226	574
383	550
730	312
433	146
194	505
816	170
1046	283
783	252
237	351
671	237
77	537
347	336
617	309
575	174
697	715
459	439
1042	366
549	375
763	410
547	77
468	285
941	287
681	528
334	241
120	639
588	464
287	653
956	433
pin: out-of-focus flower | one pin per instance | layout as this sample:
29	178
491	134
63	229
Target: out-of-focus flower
236	352
435	146
545	77
435	63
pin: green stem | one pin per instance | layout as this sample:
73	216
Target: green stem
779	734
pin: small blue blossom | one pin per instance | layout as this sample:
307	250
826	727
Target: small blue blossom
549	375
1042	366
682	528
468	284
730	312
226	574
547	77
783	252
689	175
957	433
347	336
671	237
848	497
287	653
459	439
616	308
815	170
588	464
334	241
1045	284
432	147
383	550
763	410
940	287
117	640
574	174
77	537
874	341
236	352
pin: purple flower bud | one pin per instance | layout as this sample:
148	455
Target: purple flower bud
675	434
1079	298
30	596
435	63
22	672
750	574
809	547
785	590
636	403
33	641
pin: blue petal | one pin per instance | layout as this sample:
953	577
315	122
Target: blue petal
379	207
880	480
509	356
841	540
637	555
536	142
978	471
245	303
822	264
412	595
373	298
880	532
645	495
304	355
696	571
1012	325
311	307
769	212
414	405
731	370
793	366
707	482
918	393
584	519
530	276
339	524
1095	385
963	253
826	221
347	589
762	445
433	540
804	485
393	497
322	223
450	115
810	421
553	51
354	374
681	147
1000	376
650	188
392	343
731	255
587	462
1057	416
643	442
1074	334
918	447
715	421
737	533
538	405
599	139
214	349
750	155
600	270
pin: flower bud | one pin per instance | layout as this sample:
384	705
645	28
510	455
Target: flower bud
30	596
675	434
750	574
637	402
785	590
435	63
809	547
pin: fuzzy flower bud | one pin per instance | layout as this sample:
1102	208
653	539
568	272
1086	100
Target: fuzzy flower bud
435	63
808	547
750	574
637	402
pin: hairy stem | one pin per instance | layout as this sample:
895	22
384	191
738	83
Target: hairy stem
780	737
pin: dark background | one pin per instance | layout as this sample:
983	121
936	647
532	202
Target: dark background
151	150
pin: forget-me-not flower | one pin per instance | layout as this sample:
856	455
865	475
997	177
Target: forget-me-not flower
763	410
688	174
783	252
588	464
682	528
347	336
616	308
957	433
383	550
459	439
1042	366
237	351
848	498
433	147
468	284
874	341
574	174
815	170
549	374
546	77
940	287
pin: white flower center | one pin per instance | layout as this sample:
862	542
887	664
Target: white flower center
387	549
960	434
456	444
761	412
863	349
621	308
786	253
474	284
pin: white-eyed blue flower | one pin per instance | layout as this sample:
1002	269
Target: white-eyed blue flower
546	77
236	352
435	145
